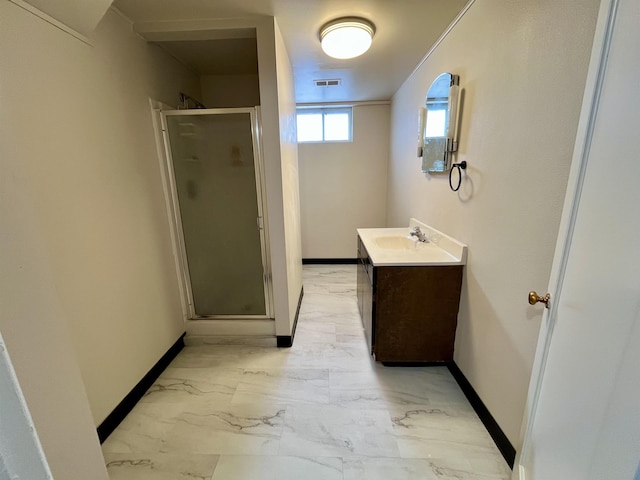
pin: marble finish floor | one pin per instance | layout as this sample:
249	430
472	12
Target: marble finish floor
319	410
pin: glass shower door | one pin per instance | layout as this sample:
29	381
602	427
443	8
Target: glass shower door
216	175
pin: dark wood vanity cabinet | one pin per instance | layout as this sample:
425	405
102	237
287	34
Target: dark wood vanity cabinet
365	284
409	313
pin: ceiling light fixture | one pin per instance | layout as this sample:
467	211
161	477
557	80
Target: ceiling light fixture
346	37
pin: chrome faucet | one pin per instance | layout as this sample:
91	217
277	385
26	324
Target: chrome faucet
421	236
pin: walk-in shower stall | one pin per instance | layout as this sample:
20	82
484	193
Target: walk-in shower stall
216	187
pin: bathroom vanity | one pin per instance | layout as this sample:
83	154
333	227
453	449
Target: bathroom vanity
409	293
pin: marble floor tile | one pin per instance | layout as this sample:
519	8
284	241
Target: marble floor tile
332	274
333	356
342	294
383	387
144	429
492	465
160	466
184	385
283	385
327	304
322	409
241	467
352	328
357	339
462	467
338	319
413	469
351	333
337	432
315	332
309	327
388	468
231	356
439	432
252	429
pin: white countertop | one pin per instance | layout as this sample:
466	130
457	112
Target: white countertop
442	250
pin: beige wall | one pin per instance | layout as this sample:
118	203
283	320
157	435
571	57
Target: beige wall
35	327
80	15
230	91
522	68
79	124
32	319
290	186
280	162
343	185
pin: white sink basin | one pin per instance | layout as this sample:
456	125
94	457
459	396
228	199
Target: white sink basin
395	246
396	242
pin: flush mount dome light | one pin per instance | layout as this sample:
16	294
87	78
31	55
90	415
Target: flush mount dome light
346	37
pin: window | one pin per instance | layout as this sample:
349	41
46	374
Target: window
324	124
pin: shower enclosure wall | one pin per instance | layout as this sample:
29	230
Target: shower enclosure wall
217	194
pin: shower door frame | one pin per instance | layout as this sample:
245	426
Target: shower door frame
261	221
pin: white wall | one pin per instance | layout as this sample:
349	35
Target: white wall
343	185
230	91
523	85
290	185
77	121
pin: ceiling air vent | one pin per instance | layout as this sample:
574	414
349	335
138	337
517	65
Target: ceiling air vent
334	82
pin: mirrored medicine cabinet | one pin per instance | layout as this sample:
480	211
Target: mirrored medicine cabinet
437	124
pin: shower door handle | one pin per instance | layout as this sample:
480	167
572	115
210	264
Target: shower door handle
259	223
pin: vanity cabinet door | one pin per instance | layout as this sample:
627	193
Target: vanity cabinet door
368	312
365	293
416	313
361	278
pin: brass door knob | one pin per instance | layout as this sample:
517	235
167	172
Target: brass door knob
535	298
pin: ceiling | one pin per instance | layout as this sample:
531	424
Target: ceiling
225	56
405	30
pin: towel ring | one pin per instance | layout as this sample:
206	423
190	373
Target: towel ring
459	167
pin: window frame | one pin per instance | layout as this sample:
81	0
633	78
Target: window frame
324	111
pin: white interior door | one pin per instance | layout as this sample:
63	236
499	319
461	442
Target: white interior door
583	416
21	455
